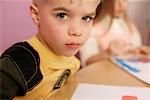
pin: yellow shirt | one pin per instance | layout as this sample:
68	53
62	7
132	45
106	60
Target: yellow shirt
55	70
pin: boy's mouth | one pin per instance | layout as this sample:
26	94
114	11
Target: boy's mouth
73	45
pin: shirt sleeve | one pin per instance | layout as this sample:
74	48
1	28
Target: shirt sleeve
10	80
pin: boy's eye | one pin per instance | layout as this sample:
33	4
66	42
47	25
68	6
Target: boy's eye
87	18
62	16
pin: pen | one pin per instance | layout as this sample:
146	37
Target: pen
121	62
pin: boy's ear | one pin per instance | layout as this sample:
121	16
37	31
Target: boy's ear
34	14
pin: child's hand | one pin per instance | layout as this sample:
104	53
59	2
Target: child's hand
118	47
145	50
141	52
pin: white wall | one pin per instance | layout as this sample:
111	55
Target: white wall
139	12
16	23
0	26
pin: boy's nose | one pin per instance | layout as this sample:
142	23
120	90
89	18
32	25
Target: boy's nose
75	30
75	33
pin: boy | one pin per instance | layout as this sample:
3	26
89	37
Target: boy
39	66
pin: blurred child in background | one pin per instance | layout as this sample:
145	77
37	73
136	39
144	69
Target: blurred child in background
113	33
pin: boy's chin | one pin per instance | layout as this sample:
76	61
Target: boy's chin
69	54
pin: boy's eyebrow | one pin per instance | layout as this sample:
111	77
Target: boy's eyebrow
62	8
68	10
91	14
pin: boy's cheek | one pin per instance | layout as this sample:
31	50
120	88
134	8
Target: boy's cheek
85	37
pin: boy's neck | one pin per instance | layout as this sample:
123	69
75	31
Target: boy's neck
39	37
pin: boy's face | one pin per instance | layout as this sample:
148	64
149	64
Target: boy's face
64	25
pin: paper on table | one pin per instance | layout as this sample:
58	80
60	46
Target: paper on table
106	92
139	69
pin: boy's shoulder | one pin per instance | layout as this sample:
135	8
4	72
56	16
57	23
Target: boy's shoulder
22	52
27	61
